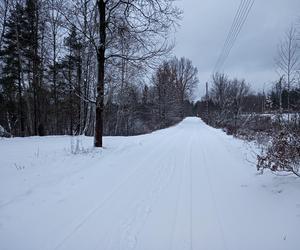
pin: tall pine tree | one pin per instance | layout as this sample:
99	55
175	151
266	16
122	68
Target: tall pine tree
12	78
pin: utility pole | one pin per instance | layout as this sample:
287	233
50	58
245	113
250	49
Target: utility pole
263	101
207	102
280	94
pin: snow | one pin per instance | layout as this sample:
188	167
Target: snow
186	187
285	116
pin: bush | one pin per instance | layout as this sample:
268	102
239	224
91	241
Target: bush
4	133
282	154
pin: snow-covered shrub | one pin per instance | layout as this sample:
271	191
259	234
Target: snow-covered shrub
77	145
4	133
282	154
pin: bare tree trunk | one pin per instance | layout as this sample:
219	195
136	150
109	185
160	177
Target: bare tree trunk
4	14
20	108
54	79
35	69
84	72
98	142
71	117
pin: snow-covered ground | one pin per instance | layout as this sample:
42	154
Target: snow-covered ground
186	187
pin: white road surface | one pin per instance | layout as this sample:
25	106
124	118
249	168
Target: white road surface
186	187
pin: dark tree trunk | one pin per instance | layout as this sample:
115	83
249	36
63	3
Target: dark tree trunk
35	108
182	105
101	63
21	107
79	86
54	76
35	67
71	118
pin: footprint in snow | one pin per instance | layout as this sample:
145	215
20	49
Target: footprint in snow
277	191
61	201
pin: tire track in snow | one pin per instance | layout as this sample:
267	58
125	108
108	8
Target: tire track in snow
175	221
89	214
213	197
183	230
191	190
135	223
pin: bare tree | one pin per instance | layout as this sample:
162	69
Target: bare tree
186	79
238	92
155	18
229	96
219	93
175	82
288	60
147	22
54	20
166	98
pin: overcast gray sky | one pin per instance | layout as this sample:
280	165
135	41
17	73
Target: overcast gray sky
205	26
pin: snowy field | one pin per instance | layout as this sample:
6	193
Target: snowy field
186	187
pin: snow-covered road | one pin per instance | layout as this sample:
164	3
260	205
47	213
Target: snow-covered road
186	187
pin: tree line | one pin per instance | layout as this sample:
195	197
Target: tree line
91	67
271	118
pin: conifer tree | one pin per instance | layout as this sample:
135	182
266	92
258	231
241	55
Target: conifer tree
12	57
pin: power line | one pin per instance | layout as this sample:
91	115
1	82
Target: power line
247	11
237	25
241	16
232	29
